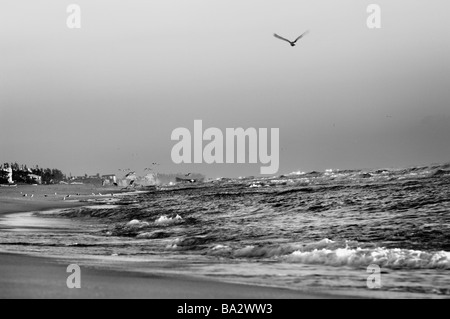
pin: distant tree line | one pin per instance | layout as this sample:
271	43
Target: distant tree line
23	174
3	177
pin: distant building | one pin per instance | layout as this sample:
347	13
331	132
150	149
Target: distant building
9	172
109	179
128	180
35	178
80	180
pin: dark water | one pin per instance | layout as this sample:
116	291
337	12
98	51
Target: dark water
315	231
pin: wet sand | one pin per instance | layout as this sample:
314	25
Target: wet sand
33	277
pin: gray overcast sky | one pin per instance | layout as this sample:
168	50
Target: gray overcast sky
108	96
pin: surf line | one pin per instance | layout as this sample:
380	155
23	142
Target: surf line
236	146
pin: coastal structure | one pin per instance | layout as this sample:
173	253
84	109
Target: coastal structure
9	173
110	179
128	180
35	178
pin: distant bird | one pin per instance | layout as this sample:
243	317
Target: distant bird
25	195
115	184
292	43
32	195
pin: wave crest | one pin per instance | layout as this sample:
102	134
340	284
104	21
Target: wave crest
334	253
389	258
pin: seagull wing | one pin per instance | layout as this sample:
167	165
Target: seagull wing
281	38
305	33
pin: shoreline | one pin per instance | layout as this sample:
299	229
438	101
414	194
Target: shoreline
28	276
14	206
47	197
33	277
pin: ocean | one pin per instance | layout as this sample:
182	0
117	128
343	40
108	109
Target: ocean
310	231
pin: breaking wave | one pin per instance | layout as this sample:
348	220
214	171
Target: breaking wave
164	220
395	218
331	253
387	258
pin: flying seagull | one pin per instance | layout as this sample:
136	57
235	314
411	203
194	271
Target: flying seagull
292	43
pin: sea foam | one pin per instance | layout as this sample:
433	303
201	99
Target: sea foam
164	220
389	258
333	253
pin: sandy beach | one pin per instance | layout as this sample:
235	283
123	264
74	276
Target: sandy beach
34	277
